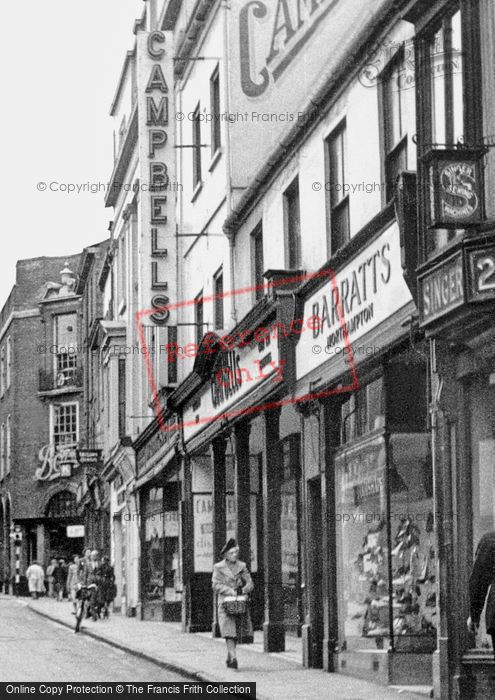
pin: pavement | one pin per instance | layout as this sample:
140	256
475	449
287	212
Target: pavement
202	658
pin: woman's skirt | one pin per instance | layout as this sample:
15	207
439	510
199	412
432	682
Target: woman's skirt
237	627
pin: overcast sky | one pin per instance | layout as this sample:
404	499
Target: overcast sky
60	62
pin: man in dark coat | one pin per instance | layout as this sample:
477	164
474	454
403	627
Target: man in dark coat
482	579
60	578
105	593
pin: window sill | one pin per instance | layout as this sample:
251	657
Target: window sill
196	191
214	159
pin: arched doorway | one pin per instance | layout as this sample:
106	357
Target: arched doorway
62	516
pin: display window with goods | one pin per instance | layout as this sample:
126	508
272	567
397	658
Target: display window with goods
153	547
481	412
384	526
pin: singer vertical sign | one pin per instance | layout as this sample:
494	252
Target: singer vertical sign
156	155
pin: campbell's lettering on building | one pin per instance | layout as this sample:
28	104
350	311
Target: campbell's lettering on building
237	372
156	156
227	379
353	301
279	48
289	31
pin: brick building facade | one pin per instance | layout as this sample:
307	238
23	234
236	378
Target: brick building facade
40	386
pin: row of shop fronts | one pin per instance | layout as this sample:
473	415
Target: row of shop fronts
343	477
310	442
342	430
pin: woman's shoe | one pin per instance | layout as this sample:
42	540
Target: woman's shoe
233	663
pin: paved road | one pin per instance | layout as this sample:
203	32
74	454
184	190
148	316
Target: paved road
35	649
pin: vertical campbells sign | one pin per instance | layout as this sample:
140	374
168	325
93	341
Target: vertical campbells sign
155	78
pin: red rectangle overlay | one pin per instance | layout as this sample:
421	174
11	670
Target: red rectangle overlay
227	375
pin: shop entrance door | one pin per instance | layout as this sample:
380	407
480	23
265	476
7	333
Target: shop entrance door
315	573
61	512
290	540
62	546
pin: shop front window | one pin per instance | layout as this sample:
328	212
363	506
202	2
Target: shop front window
289	532
482	431
413	545
173	578
362	545
153	547
231	507
202	484
384	485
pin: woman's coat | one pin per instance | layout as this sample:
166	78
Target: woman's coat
35	577
225	581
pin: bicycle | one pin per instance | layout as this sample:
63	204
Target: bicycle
84	597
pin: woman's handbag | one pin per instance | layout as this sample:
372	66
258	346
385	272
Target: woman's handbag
235	604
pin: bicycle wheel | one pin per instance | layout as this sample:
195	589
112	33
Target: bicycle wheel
79	615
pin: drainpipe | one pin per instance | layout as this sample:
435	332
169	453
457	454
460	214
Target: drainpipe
226	91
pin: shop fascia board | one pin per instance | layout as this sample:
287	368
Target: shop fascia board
268	393
196	379
328	375
459	326
160	463
150	430
363	238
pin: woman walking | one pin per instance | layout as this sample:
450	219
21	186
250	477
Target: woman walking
49	576
73	580
231	578
35	576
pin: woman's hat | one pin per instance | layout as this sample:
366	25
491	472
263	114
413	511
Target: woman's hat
230	544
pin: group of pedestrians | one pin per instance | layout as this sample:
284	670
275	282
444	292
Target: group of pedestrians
56	576
82	571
